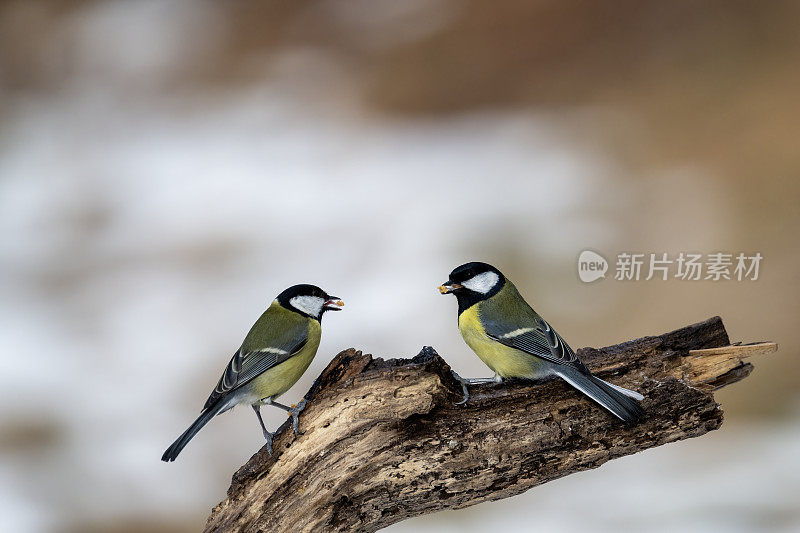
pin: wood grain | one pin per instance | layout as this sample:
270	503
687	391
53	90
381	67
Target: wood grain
383	440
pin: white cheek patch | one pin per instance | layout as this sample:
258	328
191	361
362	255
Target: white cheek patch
482	283
310	305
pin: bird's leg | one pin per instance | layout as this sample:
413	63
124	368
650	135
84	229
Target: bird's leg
294	411
473	381
267	434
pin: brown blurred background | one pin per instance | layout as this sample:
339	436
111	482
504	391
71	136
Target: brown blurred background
167	167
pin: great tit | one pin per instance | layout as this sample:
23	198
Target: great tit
274	354
515	342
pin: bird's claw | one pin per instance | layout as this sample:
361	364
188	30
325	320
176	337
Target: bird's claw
474	381
294	411
268	436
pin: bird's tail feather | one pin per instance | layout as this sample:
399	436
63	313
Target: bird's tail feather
627	392
175	448
620	402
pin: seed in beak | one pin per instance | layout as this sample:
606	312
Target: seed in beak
447	289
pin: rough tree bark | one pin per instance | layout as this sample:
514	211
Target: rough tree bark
383	440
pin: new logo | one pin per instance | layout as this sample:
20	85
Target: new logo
591	266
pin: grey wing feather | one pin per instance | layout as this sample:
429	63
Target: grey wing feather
538	339
246	366
558	348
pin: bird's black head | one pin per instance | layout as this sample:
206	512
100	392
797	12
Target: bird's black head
309	300
472	283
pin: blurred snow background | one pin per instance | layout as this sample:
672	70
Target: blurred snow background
166	168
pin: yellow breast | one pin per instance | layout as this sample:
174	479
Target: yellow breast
280	378
505	361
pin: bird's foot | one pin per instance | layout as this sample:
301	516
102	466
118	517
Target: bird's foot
464	388
268	436
472	381
294	411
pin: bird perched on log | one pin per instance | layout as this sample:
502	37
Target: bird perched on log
274	354
515	342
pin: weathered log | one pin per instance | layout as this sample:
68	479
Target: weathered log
383	440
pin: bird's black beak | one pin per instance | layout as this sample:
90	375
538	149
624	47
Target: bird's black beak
333	303
449	286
